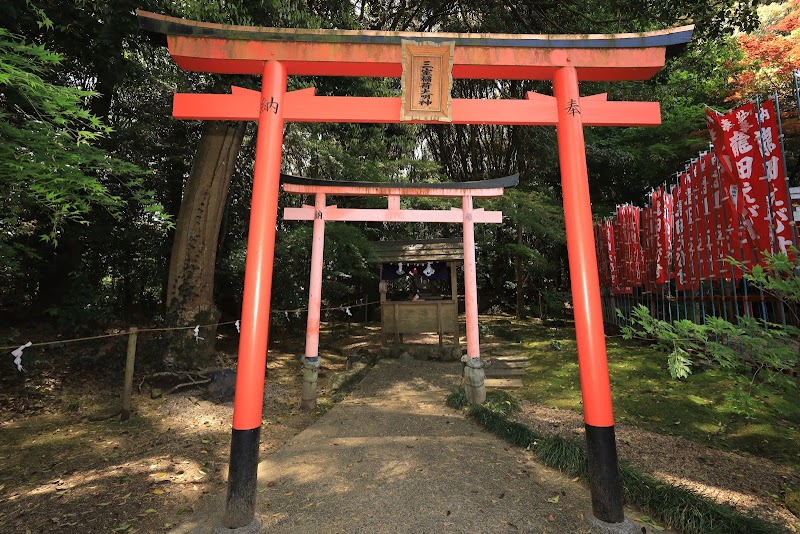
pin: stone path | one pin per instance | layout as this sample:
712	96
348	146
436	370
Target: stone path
392	457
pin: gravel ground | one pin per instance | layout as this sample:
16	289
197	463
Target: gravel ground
393	457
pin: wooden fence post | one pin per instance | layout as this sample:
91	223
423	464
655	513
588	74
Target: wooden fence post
127	392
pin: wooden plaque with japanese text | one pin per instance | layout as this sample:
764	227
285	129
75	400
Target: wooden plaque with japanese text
426	81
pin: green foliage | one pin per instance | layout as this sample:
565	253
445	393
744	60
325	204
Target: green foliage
750	344
121	113
50	172
779	278
764	346
715	407
532	240
347	277
56	179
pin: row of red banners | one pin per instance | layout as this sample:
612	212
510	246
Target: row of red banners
732	202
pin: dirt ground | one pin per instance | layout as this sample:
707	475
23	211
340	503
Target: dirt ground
68	464
393	458
750	484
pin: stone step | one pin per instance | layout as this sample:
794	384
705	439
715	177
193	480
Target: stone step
503	383
497	372
502	364
510	359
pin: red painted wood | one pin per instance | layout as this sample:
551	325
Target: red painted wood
315	279
470	278
233	107
230	56
249	398
283	52
303	106
593	363
332	213
360	191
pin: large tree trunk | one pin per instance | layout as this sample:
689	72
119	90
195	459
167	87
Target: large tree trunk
190	286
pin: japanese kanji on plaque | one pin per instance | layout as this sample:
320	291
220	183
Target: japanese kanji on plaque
426	81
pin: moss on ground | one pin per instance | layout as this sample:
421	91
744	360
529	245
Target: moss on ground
710	407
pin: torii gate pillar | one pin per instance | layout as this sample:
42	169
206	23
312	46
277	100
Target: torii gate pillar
474	376
595	387
249	398
311	359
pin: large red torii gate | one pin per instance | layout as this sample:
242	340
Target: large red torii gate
275	53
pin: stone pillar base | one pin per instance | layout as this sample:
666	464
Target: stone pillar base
474	379
253	528
310	372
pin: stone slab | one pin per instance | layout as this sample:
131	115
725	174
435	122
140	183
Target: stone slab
503	383
494	372
506	365
511	359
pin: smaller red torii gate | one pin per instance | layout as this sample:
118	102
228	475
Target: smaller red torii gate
467	215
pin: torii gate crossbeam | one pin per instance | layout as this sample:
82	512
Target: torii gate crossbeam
275	53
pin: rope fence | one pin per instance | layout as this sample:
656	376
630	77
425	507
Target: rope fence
293	311
133	333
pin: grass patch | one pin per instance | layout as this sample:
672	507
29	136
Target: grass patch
709	407
677	507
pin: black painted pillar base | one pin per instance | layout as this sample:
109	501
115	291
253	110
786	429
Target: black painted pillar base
240	506
604	481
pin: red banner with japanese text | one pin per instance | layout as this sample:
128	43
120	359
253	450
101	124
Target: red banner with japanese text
706	247
656	225
632	222
611	253
699	266
687	278
629	247
693	270
769	145
740	127
732	236
601	249
623	252
648	246
719	223
621	285
663	219
679	238
729	182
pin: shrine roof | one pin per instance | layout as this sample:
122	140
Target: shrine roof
481	188
231	49
418	250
